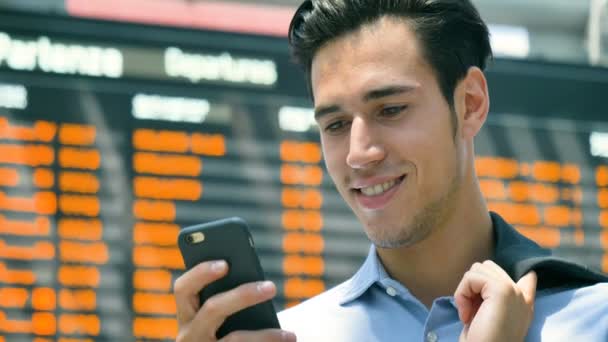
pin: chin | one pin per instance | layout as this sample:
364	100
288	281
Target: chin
399	234
387	237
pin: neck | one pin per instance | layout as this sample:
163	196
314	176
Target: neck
433	268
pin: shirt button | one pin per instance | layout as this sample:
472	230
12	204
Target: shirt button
391	291
431	337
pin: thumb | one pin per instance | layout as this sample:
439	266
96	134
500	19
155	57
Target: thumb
527	285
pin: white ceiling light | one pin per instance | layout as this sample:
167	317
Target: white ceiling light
510	41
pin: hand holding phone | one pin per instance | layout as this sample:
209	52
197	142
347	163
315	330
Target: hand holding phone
223	292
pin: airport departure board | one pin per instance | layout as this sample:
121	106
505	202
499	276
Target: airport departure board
115	136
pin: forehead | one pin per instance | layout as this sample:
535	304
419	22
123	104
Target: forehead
383	51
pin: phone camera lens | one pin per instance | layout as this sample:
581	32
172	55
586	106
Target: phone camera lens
189	239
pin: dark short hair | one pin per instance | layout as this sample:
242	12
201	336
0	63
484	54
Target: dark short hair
452	35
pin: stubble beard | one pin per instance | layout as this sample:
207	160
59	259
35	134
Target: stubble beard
422	224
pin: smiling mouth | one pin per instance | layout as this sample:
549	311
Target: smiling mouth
379	189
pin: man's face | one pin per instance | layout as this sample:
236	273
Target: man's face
386	132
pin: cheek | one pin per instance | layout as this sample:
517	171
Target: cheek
439	166
430	148
332	157
335	153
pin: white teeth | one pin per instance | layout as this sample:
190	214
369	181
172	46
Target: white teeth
378	189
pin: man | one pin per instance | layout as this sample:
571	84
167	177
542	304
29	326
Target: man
399	95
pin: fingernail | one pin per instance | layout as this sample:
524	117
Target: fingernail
288	336
218	266
265	286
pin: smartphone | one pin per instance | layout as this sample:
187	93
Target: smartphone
230	240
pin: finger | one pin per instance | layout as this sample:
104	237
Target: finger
270	335
189	284
527	285
469	294
474	279
474	305
216	309
497	271
488	268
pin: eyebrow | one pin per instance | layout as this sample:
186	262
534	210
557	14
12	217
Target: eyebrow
386	91
371	95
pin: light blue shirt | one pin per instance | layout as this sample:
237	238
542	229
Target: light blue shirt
373	307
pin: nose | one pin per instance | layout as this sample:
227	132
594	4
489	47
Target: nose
365	147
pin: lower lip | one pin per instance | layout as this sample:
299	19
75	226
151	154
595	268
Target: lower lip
378	201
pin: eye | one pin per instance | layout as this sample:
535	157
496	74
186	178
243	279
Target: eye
392	110
336	126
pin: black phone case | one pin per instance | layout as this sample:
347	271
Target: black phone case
229	239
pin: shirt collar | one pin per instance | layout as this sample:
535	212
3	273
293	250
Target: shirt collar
511	249
370	272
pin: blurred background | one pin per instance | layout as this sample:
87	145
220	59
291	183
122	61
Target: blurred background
122	121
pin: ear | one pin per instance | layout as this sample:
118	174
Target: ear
474	101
